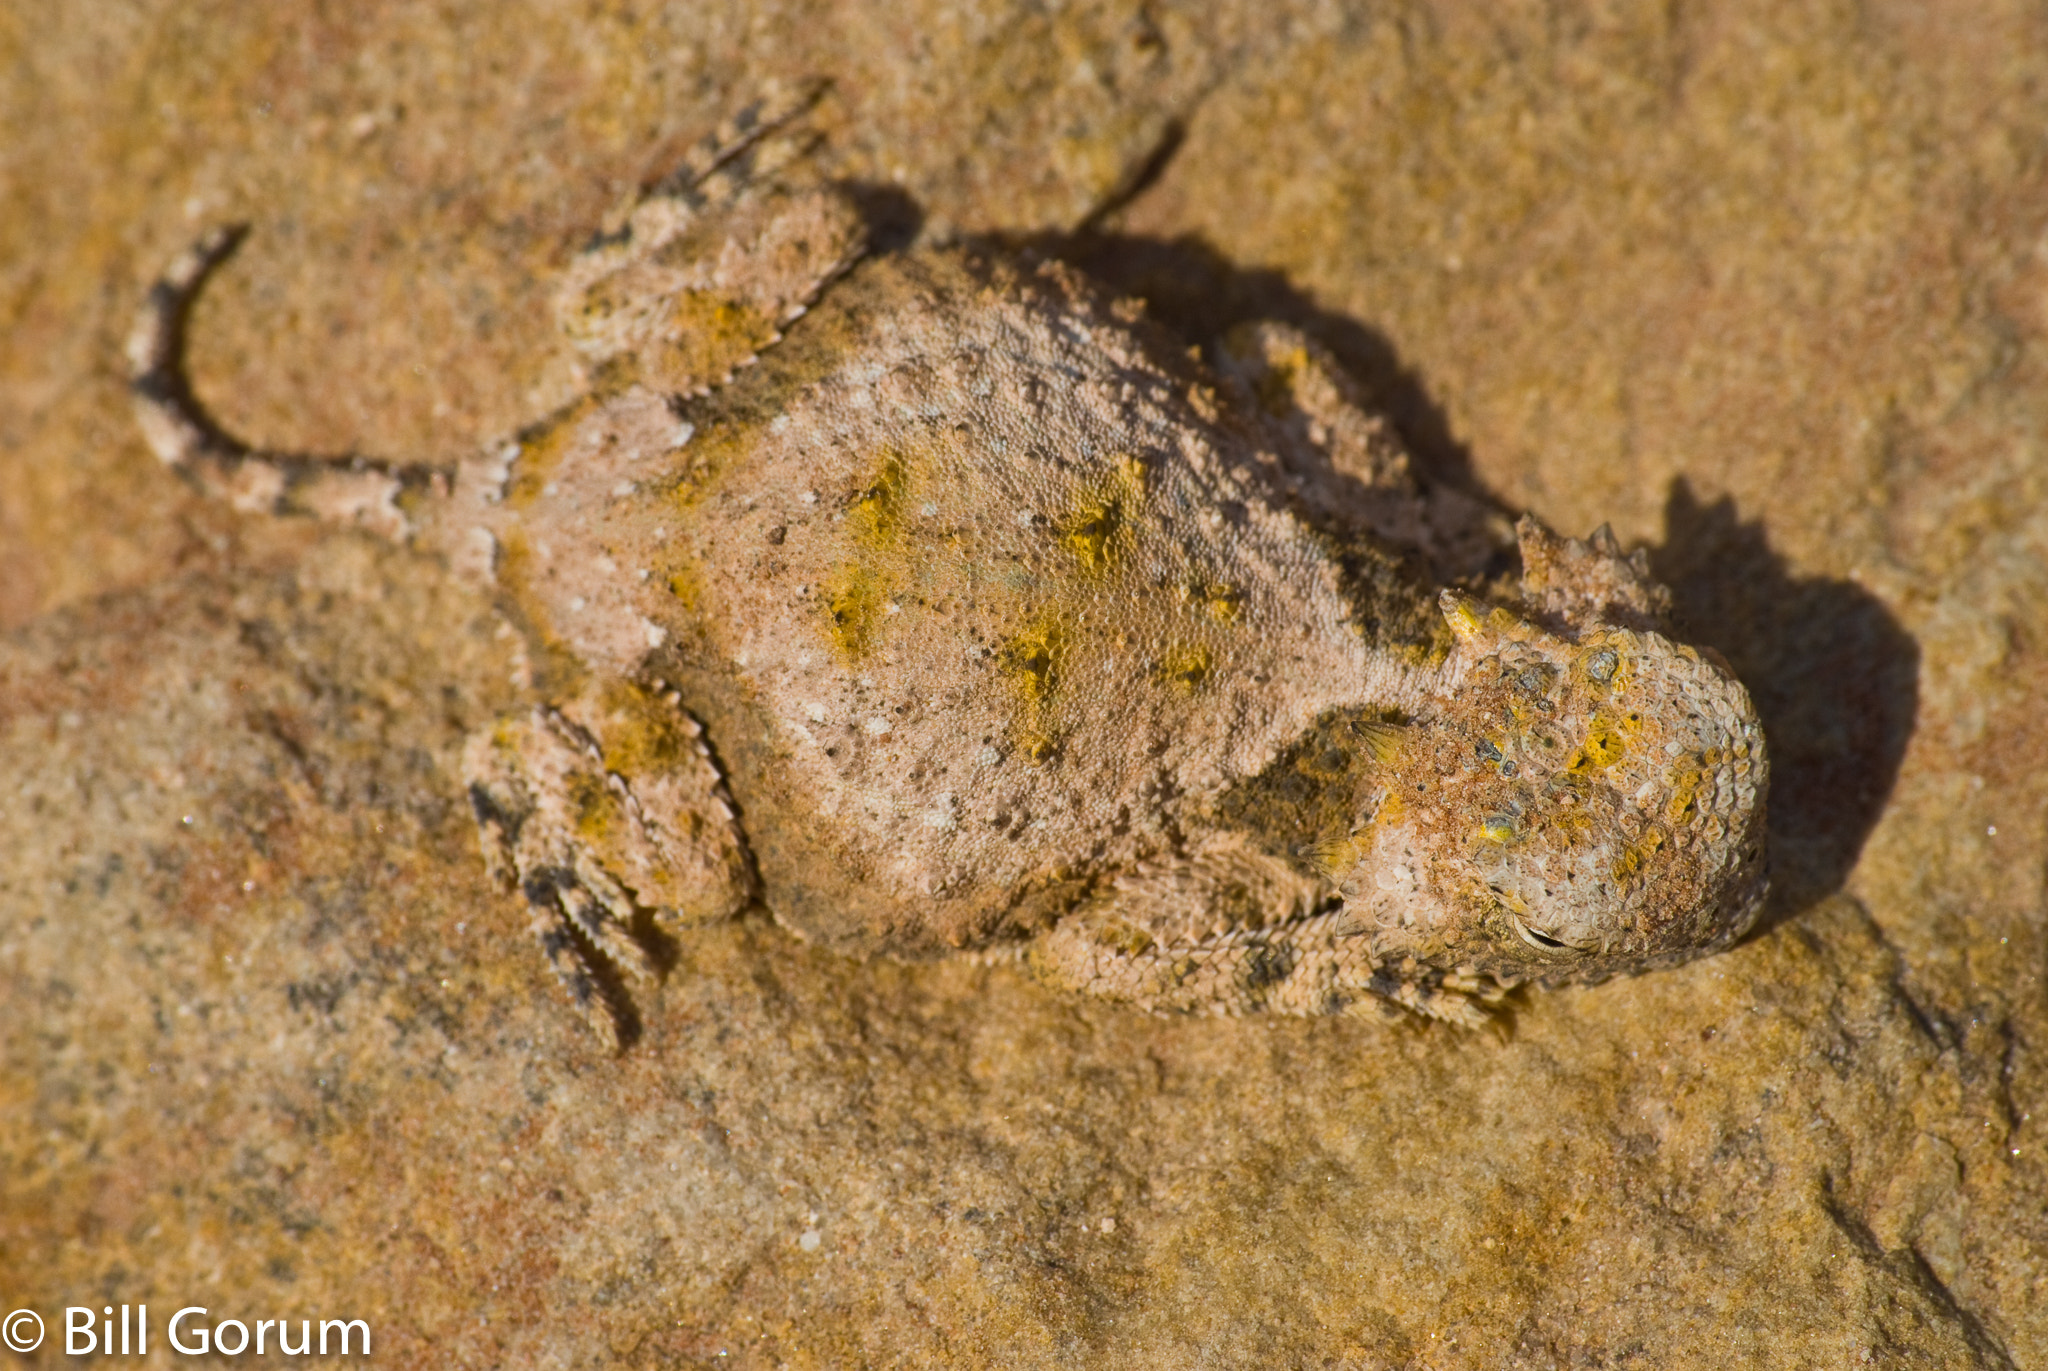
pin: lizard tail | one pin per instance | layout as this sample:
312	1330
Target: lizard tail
378	496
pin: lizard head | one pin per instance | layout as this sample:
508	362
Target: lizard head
1580	803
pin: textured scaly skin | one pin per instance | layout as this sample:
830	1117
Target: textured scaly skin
1009	625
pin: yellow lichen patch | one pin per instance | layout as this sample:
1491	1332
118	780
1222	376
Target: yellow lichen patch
1097	531
596	806
1035	662
683	586
641	734
875	522
1637	855
541	450
1688	777
1091	531
1568	822
1224	603
1683	805
1035	659
705	335
855	602
1472	620
694	468
1186	667
513	565
856	596
1604	745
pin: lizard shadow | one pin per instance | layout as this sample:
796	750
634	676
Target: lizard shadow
1832	672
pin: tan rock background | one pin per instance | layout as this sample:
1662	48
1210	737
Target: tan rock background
1764	282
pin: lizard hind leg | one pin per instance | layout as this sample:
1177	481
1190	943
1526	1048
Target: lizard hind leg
380	496
1230	931
610	816
716	259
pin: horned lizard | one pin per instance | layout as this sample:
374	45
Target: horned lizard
935	600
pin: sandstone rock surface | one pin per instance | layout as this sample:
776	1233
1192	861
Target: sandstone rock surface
1763	285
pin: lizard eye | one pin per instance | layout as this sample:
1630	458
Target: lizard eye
1542	942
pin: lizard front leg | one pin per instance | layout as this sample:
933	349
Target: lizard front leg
608	813
1232	931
